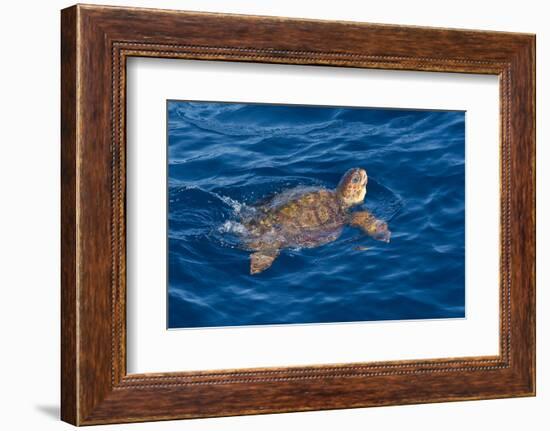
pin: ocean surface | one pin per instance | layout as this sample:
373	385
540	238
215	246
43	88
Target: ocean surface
223	157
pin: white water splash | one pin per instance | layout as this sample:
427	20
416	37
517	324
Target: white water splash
235	205
231	226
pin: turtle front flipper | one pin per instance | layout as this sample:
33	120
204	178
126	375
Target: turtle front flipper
373	227
261	260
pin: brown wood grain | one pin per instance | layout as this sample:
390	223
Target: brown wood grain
96	41
69	367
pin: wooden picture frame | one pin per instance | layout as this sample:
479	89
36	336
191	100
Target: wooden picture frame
95	43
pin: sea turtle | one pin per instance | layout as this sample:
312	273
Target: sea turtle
308	217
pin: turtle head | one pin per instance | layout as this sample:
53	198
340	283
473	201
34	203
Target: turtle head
353	187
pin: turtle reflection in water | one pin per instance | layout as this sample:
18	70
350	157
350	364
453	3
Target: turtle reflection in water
308	217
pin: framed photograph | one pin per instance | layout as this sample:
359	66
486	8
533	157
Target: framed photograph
263	214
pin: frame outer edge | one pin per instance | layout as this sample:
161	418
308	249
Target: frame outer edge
523	179
69	201
531	83
533	53
532	101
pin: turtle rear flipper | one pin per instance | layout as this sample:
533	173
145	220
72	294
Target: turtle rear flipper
261	260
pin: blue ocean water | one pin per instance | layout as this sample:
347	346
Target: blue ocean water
223	157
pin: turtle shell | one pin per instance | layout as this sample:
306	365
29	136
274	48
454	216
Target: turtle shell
296	218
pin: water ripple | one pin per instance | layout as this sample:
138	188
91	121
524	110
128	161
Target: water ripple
223	158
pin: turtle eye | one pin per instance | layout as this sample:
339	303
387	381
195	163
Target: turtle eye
355	179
